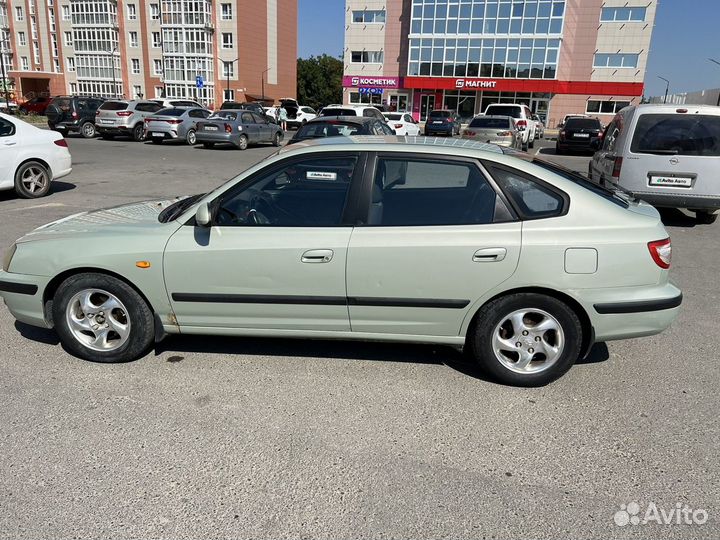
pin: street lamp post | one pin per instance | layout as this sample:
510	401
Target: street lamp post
2	74
718	63
667	85
227	74
112	66
262	83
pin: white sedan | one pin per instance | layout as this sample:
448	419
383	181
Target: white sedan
30	157
403	124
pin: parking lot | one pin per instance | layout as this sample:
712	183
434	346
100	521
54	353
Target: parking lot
245	438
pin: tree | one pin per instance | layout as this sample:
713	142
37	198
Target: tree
319	81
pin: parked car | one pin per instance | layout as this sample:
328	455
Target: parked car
73	114
578	135
36	105
297	114
352	110
523	120
253	106
442	121
337	126
174	103
179	123
539	127
124	118
8	106
500	130
402	124
30	157
515	260
668	155
239	128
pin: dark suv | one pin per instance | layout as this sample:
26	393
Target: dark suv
68	114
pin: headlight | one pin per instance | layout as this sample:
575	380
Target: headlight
8	257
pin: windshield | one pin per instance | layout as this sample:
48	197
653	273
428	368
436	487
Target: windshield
485	122
394	116
226	115
677	134
170	112
177	208
317	130
582	123
439	114
504	110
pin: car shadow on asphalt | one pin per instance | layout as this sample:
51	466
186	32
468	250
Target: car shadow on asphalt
35	333
672	217
55	187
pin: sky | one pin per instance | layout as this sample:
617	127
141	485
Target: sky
685	35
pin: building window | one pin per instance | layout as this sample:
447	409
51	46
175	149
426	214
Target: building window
70	63
33	27
366	57
226	12
157	67
605	107
36	52
159	92
365	98
65	13
228	95
73	88
19	14
228	69
133	38
132	12
227	40
68	39
56	63
156	41
368	16
137	90
623	14
22	41
603	60
135	66
24	64
154	12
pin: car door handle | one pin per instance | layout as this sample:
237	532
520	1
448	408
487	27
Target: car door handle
10	143
490	255
317	256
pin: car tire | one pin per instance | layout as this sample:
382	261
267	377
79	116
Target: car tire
523	146
531	143
190	137
705	217
242	142
92	305
493	339
157	140
138	133
558	151
209	145
32	180
277	139
88	130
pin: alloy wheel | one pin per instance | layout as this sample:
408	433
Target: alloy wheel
34	179
98	320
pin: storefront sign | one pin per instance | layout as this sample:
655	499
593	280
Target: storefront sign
370	90
474	83
355	81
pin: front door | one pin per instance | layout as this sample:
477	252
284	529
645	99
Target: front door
427	104
8	152
275	255
433	246
251	128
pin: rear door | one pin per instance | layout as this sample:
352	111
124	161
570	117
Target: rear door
674	153
250	127
436	238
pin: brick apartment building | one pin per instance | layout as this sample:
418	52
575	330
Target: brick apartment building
557	56
151	48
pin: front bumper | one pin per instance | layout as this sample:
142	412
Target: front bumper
23	295
679	200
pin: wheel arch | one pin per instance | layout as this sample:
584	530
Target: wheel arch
37	160
588	332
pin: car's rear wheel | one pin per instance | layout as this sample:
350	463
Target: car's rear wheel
526	339
209	145
102	319
191	137
88	130
157	140
705	217
138	133
32	180
242	142
277	139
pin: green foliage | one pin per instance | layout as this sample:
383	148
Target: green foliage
319	81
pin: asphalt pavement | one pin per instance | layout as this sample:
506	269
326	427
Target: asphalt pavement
268	438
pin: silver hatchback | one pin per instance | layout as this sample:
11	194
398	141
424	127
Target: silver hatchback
124	118
494	129
177	123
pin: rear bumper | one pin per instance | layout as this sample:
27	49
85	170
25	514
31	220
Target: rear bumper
680	200
579	146
165	133
114	130
23	297
215	137
448	128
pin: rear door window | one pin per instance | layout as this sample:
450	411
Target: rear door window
677	134
247	118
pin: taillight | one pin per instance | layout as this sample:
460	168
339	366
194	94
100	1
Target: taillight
617	165
561	135
504	133
97	113
661	252
174	121
469	133
398	125
61	142
74	114
124	113
228	128
522	124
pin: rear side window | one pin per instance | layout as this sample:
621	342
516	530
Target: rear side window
483	122
63	104
504	110
415	192
681	134
531	199
113	106
6	128
247	118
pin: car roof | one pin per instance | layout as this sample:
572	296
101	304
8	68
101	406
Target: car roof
349	106
384	143
493	116
670	108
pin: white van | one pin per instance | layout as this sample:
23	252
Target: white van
667	155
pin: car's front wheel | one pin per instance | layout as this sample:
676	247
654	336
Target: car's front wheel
242	142
102	319
32	180
526	339
88	130
138	133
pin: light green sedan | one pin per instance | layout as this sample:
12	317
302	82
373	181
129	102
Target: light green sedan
522	263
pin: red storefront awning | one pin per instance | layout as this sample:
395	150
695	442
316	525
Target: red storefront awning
524	85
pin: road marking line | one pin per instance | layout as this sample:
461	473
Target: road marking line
46	205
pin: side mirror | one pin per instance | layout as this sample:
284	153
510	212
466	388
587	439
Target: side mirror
203	216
